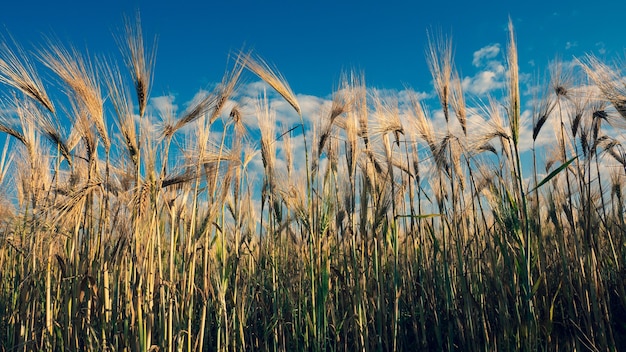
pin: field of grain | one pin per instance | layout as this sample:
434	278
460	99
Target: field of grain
124	227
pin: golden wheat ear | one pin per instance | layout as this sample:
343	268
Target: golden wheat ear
119	97
80	77
272	77
457	101
439	57
212	104
17	71
6	127
608	81
51	130
514	93
226	89
139	59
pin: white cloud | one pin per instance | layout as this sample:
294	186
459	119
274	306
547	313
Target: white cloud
570	45
404	96
286	116
485	54
491	75
164	105
483	82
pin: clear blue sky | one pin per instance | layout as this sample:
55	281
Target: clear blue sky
311	42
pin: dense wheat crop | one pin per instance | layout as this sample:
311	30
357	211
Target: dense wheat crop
376	227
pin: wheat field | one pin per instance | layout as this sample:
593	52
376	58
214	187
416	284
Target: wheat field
128	228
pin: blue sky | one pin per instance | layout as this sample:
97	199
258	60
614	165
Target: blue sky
312	42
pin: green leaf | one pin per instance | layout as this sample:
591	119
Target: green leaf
537	284
553	174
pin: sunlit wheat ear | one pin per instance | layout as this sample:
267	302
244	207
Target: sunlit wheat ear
598	114
249	154
141	198
69	208
50	129
17	71
495	127
215	155
456	149
213	102
192	114
611	146
118	94
288	151
439	58
267	118
618	152
358	97
457	101
561	79
25	133
6	127
7	215
325	128
387	117
259	67
580	106
341	101
75	134
29	129
339	106
480	140
608	80
178	179
80	77
514	94
553	157
414	161
400	161
140	63
32	164
227	87
240	128
39	119
542	111
82	132
332	151
352	152
422	124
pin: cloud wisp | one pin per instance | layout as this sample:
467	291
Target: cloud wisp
491	73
